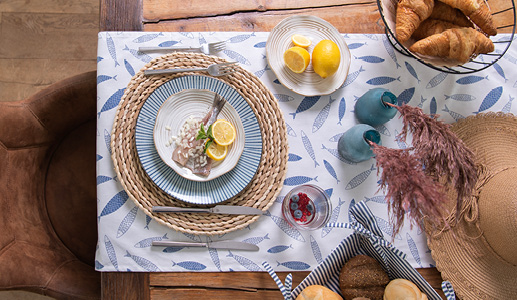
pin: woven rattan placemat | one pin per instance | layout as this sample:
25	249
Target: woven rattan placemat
263	188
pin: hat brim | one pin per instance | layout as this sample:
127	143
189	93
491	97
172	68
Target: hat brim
462	254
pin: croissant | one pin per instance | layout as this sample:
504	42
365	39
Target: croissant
432	26
466	6
483	18
410	13
447	13
457	44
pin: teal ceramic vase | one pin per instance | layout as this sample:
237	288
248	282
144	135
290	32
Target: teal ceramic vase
371	108
353	145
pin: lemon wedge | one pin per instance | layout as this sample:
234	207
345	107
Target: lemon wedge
297	59
216	152
223	132
326	58
300	40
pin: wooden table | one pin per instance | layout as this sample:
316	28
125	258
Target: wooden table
224	15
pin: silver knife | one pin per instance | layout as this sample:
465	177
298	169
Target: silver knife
218	209
216	245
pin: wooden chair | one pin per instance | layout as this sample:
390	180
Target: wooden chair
48	224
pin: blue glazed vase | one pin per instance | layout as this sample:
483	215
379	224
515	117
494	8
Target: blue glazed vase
353	145
371	108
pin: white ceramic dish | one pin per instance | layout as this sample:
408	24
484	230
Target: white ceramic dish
307	83
172	115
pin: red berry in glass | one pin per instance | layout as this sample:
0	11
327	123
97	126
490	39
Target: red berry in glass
301	208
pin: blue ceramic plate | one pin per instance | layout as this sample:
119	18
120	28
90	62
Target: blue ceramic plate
214	191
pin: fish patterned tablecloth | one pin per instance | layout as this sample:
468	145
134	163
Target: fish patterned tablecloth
314	126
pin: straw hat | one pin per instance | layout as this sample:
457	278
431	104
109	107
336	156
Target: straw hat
478	254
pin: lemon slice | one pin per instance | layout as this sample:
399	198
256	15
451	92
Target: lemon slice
223	132
216	152
300	40
326	58
297	59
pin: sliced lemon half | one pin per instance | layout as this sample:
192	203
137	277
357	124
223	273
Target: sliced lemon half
297	59
300	40
223	132
216	152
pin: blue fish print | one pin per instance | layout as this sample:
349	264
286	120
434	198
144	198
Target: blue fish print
127	222
111	49
508	106
352	77
414	250
386	227
167	43
382	129
436	80
277	81
353	46
322	116
114	204
98	265
412	71
333	218
147	37
99	58
256	240
422	100
341	110
294	265
147	221
99	157
316	250
491	98
201	39
129	68
432	106
456	116
239	58
405	96
102	179
110	250
358	179
189	35
112	101
336	137
285	227
308	147
107	140
470	79
190	265
293	157
306	104
193	237
102	78
298	180
460	97
283	98
240	38
371	36
370	59
336	154
377	199
172	249
259	73
214	255
390	50
382	80
500	71
331	170
142	262
148	241
140	55
245	262
290	130
351	218
279	248
260	45
329	192
400	143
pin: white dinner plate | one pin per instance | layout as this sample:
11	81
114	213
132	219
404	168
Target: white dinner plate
213	191
316	29
175	111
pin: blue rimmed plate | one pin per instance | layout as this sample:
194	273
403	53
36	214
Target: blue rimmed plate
214	191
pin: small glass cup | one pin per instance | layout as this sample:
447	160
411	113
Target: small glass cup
307	207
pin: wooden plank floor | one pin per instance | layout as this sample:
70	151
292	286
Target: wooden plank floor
44	41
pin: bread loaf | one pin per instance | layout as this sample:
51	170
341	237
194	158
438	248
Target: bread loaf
363	276
403	289
318	292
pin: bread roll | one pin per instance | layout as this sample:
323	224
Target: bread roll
402	289
318	292
363	276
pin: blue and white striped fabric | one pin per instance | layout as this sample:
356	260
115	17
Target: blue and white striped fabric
366	240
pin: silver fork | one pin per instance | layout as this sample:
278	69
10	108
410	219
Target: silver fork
214	69
210	48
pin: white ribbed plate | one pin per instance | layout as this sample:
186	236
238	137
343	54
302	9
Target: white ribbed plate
218	189
307	83
172	115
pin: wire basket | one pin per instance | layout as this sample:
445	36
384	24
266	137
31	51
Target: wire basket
504	17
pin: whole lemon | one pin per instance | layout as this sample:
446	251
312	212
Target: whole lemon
326	58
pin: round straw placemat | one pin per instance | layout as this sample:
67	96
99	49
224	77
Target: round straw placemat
260	193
